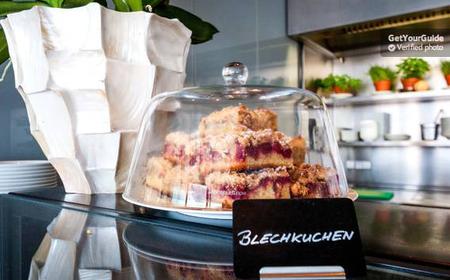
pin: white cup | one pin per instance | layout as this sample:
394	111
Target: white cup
349	135
445	127
368	130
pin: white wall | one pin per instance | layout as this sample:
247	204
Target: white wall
252	32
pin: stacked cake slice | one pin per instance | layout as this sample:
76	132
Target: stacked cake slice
247	150
239	154
237	119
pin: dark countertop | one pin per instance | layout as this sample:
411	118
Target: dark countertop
104	236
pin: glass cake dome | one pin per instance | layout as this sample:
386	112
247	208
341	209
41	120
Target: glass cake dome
199	149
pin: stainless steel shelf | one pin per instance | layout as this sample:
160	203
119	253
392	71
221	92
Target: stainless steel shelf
443	144
400	97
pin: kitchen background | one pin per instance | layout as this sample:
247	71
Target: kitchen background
255	33
411	175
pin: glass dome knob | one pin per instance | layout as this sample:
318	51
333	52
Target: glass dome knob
235	74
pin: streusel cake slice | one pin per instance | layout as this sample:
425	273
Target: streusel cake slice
247	150
267	183
236	119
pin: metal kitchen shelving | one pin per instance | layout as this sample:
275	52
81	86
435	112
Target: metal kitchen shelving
397	97
431	144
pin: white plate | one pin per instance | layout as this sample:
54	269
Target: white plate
210	214
37	161
6	186
24	172
20	188
397	137
340	95
27	175
27	172
31	183
382	92
27	180
45	186
222	215
26	167
23	162
206	214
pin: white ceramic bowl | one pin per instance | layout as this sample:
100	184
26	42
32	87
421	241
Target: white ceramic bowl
349	135
368	130
397	137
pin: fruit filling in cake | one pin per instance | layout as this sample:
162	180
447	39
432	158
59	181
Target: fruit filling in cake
314	181
268	183
175	146
238	153
230	152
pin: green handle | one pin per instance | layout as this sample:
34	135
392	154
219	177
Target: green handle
374	194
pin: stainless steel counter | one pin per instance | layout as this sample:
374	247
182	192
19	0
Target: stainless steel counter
413	233
422	198
391	230
411	195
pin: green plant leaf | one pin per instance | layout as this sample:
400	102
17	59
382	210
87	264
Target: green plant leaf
413	67
379	73
344	82
8	7
54	3
202	31
19	1
4	54
76	3
121	5
445	67
135	5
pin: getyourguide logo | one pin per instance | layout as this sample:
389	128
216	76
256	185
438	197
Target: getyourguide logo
415	38
414	42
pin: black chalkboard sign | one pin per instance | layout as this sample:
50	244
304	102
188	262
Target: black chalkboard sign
307	232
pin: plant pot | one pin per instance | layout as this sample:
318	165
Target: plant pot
383	85
408	84
337	89
89	135
447	78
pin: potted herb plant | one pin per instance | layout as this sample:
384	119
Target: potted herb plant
445	68
412	70
382	77
314	85
341	84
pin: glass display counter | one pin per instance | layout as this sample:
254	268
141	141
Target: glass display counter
47	236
